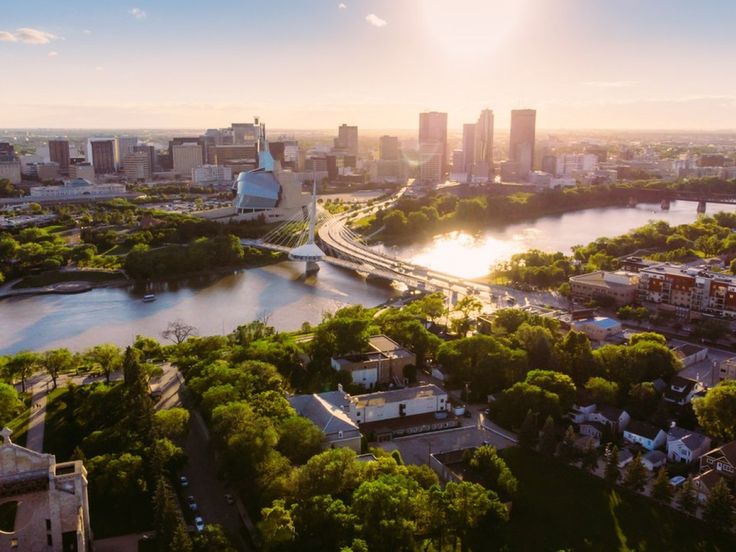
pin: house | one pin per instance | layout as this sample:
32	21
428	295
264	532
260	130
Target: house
382	363
51	507
624	457
654	459
330	413
690	354
644	434
704	483
682	390
721	459
685	446
593	419
598	328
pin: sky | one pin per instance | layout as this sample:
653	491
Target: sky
313	64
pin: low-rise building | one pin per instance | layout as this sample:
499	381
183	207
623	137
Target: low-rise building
51	507
398	403
690	354
383	363
212	175
620	286
727	369
598	328
330	413
682	390
644	434
595	420
686	446
654	459
77	188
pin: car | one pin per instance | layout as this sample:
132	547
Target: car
199	524
677	480
229	499
191	503
183	481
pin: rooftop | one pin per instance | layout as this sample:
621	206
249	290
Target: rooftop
643	429
325	415
690	439
397	395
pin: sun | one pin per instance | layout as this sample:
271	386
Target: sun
470	27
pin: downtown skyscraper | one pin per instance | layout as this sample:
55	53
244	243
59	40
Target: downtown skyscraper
433	160
521	141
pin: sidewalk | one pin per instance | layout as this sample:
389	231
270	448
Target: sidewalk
37	421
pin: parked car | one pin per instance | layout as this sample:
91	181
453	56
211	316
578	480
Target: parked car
229	499
199	524
183	481
677	480
191	503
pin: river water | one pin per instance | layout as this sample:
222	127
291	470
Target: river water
220	303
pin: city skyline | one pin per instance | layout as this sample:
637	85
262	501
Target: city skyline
643	65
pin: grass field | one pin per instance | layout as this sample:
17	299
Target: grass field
559	507
49	278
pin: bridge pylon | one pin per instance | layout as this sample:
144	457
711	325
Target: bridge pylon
310	252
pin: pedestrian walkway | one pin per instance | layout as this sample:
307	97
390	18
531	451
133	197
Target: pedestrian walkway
37	420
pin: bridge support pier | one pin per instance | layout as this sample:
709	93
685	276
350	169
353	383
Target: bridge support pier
312	268
701	206
665	204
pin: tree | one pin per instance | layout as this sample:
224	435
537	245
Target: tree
512	405
10	404
465	307
57	361
529	432
554	382
548	439
538	342
171	423
611	472
276	525
590	457
719	507
715	411
178	331
661	488
468	505
299	439
635	475
493	471
21	365
432	306
602	391
213	539
567	446
106	357
686	499
573	356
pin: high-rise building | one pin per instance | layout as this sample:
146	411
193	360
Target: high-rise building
212	175
468	147
137	166
521	141
84	171
123	146
101	153
10	168
186	157
483	151
347	139
51	507
169	164
432	143
389	148
151	151
250	134
59	153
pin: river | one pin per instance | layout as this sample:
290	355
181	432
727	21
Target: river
220	303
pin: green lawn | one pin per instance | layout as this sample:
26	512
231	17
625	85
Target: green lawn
562	508
59	437
48	278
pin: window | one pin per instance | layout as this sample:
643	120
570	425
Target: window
48	525
49	540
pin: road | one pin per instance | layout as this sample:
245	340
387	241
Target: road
208	491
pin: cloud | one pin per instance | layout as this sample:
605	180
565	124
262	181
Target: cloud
376	21
137	13
342	6
53	53
26	35
610	84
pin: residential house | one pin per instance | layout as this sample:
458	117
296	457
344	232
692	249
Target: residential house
654	459
594	420
686	446
682	390
624	457
690	354
716	464
330	413
644	434
382	363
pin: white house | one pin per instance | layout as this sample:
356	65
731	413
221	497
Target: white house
686	446
398	403
646	435
682	390
593	418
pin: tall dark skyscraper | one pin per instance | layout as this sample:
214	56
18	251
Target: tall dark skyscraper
389	148
59	153
521	141
433	158
483	159
469	146
101	153
347	139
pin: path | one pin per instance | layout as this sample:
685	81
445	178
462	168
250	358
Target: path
37	420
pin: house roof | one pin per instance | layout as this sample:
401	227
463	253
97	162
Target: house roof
643	429
397	395
691	439
325	415
708	478
610	413
687	349
624	455
728	450
386	345
686	384
655	457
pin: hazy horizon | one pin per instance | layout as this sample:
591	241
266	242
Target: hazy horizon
161	64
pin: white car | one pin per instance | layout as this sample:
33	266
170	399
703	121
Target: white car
199	524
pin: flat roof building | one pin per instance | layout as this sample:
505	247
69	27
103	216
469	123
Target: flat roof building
621	287
382	363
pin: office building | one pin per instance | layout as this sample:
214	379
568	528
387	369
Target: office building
242	157
458	161
137	166
186	156
575	164
82	170
59	153
483	148
151	152
521	141
212	175
10	168
433	146
347	139
78	188
468	147
123	146
249	134
44	171
389	148
169	163
51	506
101	153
